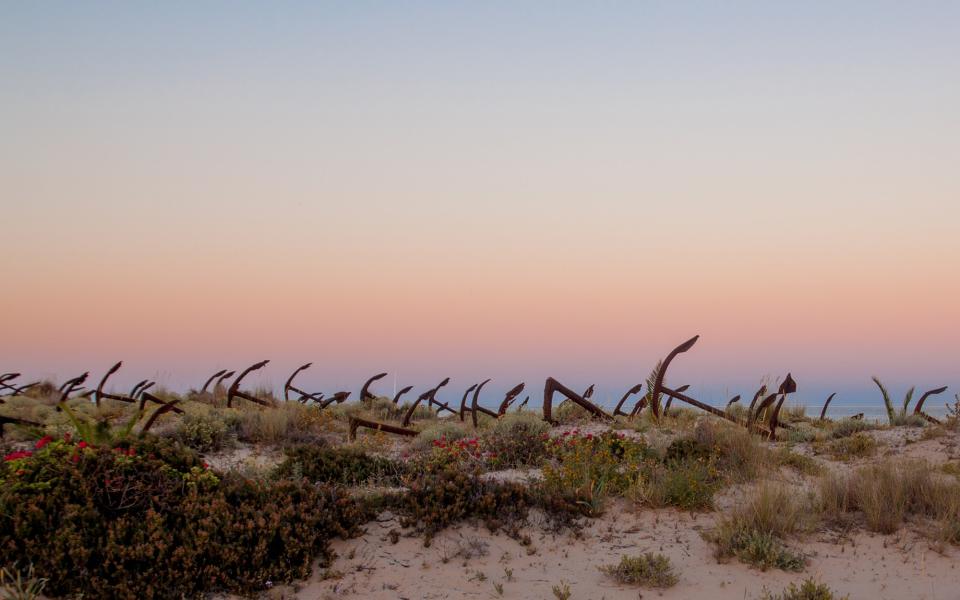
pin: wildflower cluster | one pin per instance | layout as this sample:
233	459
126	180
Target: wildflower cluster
463	450
616	443
586	468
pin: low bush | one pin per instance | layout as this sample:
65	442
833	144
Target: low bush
449	431
517	440
571	413
649	570
908	420
847	427
687	484
801	463
738	454
810	589
124	522
858	445
755	531
802	433
442	494
585	469
337	465
203	431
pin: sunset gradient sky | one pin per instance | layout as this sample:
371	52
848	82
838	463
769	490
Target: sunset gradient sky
508	190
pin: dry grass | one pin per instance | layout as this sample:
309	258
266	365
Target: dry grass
859	445
794	413
800	463
888	492
740	455
847	427
755	531
288	423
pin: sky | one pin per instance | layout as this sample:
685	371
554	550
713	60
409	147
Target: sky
498	189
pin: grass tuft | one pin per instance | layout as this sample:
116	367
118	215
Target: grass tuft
810	589
648	570
754	532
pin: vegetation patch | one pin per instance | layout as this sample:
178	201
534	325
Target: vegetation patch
338	465
517	440
648	570
887	492
858	445
150	521
755	532
810	589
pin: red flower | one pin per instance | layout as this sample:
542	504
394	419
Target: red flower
131	452
43	442
205	465
75	458
17	455
82	444
67	437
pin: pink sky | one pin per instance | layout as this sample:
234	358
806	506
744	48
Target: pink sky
474	195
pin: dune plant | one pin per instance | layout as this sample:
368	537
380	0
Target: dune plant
755	532
20	585
953	412
809	589
893	416
648	570
147	519
517	440
887	492
337	465
100	431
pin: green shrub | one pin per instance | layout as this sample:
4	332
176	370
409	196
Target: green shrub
683	449
754	532
586	469
688	484
440	495
859	445
801	463
517	440
204	432
808	590
341	465
650	570
908	420
570	413
763	550
124	523
450	431
802	433
847	427
737	454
